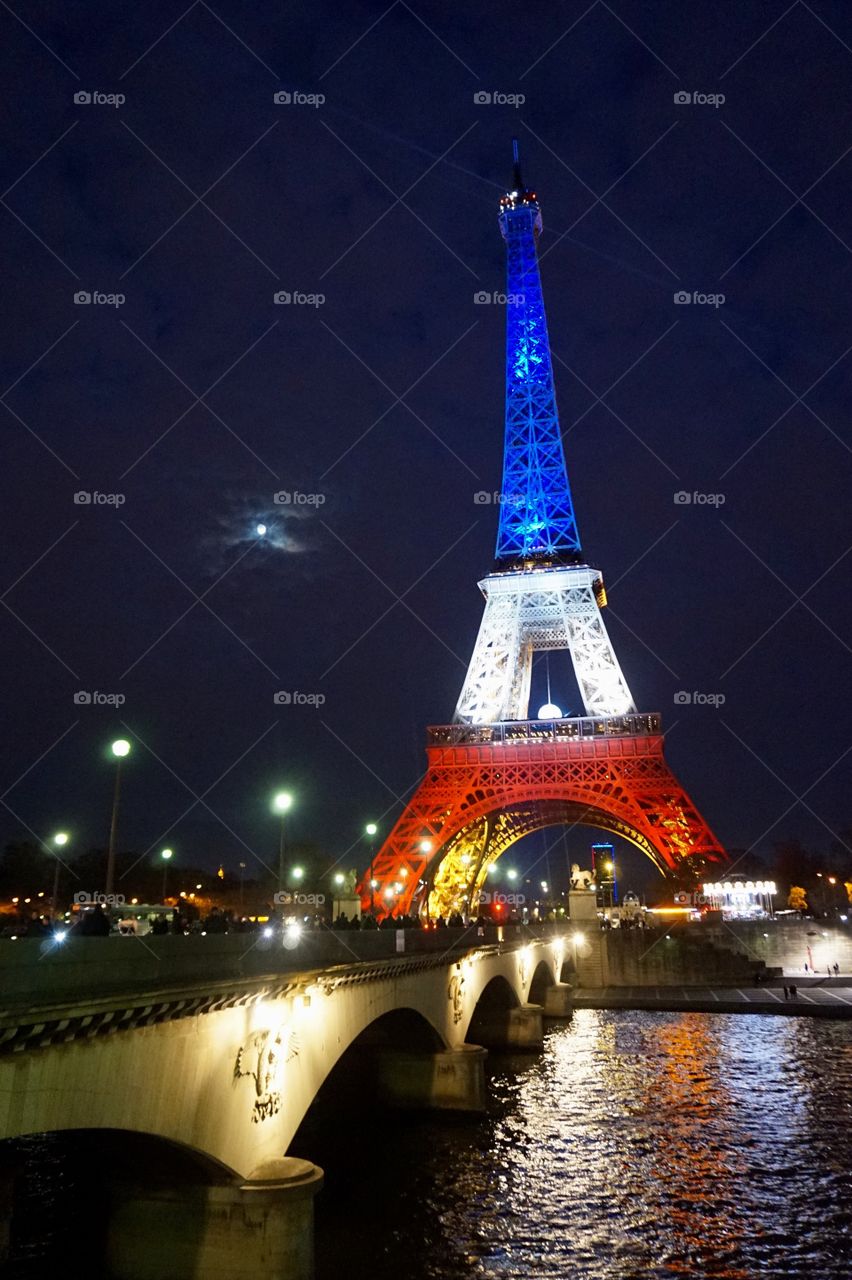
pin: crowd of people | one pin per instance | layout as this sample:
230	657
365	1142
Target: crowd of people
96	922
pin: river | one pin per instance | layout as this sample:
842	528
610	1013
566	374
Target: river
638	1144
665	1145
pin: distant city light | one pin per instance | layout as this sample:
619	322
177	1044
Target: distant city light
261	530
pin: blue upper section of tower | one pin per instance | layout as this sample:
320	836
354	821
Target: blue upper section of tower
537	521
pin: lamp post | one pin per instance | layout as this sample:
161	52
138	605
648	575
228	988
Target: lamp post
282	802
120	749
166	855
242	873
60	840
370	831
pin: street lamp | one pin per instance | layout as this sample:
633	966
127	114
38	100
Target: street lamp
166	855
120	748
370	831
282	802
242	872
60	840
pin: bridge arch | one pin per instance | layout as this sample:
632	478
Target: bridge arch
457	876
544	976
495	1002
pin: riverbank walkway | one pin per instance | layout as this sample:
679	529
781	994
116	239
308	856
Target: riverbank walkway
819	998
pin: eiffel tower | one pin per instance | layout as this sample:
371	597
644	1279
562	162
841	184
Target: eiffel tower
494	775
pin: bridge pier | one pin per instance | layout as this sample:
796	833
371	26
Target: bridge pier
262	1227
511	1030
451	1080
557	1000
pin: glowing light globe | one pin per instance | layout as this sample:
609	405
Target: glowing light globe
549	711
261	530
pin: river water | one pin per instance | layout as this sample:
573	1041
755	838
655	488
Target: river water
638	1144
661	1145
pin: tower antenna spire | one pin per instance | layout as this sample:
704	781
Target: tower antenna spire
517	180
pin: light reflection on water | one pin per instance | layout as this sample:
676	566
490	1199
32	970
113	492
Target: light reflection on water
654	1144
661	1145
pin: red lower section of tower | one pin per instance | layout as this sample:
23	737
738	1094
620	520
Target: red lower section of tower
519	782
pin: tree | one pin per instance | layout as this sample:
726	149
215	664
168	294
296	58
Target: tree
796	898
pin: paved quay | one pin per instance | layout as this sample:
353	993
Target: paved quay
813	999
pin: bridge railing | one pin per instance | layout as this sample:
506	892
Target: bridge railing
36	973
519	731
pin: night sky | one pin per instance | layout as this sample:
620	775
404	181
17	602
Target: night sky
198	398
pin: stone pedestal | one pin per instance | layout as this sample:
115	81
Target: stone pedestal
453	1079
525	1029
263	1227
583	907
557	1001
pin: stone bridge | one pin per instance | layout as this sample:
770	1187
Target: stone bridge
217	1046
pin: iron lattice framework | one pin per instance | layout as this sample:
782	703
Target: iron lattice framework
536	511
493	784
494	775
541	609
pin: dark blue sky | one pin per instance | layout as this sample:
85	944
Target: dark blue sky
199	197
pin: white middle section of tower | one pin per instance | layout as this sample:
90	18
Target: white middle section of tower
531	610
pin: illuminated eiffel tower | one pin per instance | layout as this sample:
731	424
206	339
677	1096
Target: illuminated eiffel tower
494	775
